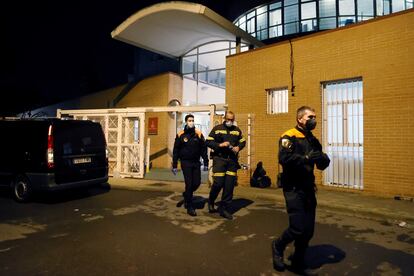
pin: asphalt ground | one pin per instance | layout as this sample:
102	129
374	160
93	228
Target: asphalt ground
103	231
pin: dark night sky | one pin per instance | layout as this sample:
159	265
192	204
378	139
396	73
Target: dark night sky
56	50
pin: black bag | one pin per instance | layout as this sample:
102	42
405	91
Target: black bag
265	182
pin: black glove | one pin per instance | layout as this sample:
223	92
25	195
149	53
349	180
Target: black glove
323	162
319	158
314	156
315	143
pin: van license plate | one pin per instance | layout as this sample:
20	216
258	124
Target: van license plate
82	160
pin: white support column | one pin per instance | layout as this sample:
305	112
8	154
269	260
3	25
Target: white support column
119	148
147	154
141	126
106	128
212	113
210	161
126	148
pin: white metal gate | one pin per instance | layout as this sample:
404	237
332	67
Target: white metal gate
124	134
124	130
343	132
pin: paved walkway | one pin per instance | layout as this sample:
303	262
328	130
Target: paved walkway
394	211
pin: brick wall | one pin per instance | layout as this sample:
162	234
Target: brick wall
381	51
101	99
156	91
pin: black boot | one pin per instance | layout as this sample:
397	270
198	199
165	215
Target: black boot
225	214
211	208
277	256
191	211
298	265
180	203
302	270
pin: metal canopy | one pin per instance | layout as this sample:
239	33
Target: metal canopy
174	28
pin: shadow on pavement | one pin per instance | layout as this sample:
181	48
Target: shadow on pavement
61	196
319	255
71	194
238	204
199	202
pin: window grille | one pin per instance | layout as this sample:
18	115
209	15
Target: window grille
277	101
343	132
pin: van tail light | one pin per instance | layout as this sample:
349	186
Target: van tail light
106	153
49	153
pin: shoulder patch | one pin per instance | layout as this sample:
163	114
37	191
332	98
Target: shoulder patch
180	133
286	143
293	132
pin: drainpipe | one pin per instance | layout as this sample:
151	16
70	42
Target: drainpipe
249	123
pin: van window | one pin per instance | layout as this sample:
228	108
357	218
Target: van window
74	137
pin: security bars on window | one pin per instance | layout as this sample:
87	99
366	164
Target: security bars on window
343	132
277	101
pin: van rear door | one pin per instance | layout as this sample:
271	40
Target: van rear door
79	151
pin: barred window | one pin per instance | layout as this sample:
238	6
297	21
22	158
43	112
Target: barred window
277	101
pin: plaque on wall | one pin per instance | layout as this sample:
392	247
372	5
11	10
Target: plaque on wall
153	126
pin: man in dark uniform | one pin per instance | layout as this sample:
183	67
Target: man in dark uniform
189	146
225	140
299	152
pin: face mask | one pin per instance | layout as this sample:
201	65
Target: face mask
310	124
229	123
190	124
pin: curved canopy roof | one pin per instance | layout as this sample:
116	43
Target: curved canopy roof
174	28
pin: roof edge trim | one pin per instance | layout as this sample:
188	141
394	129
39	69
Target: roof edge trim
173	5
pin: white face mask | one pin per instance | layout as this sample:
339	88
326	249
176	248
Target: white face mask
190	124
229	123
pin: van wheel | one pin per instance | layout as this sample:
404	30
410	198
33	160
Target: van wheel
22	189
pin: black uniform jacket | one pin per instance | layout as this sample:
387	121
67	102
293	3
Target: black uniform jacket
299	151
190	145
220	134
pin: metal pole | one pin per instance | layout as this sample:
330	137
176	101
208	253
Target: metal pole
147	155
249	123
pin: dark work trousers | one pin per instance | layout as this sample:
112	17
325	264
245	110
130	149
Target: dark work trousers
192	179
224	175
301	207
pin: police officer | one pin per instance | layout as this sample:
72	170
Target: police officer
189	146
299	152
225	140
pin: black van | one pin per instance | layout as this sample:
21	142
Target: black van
51	154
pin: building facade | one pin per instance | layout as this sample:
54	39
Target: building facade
359	80
358	77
